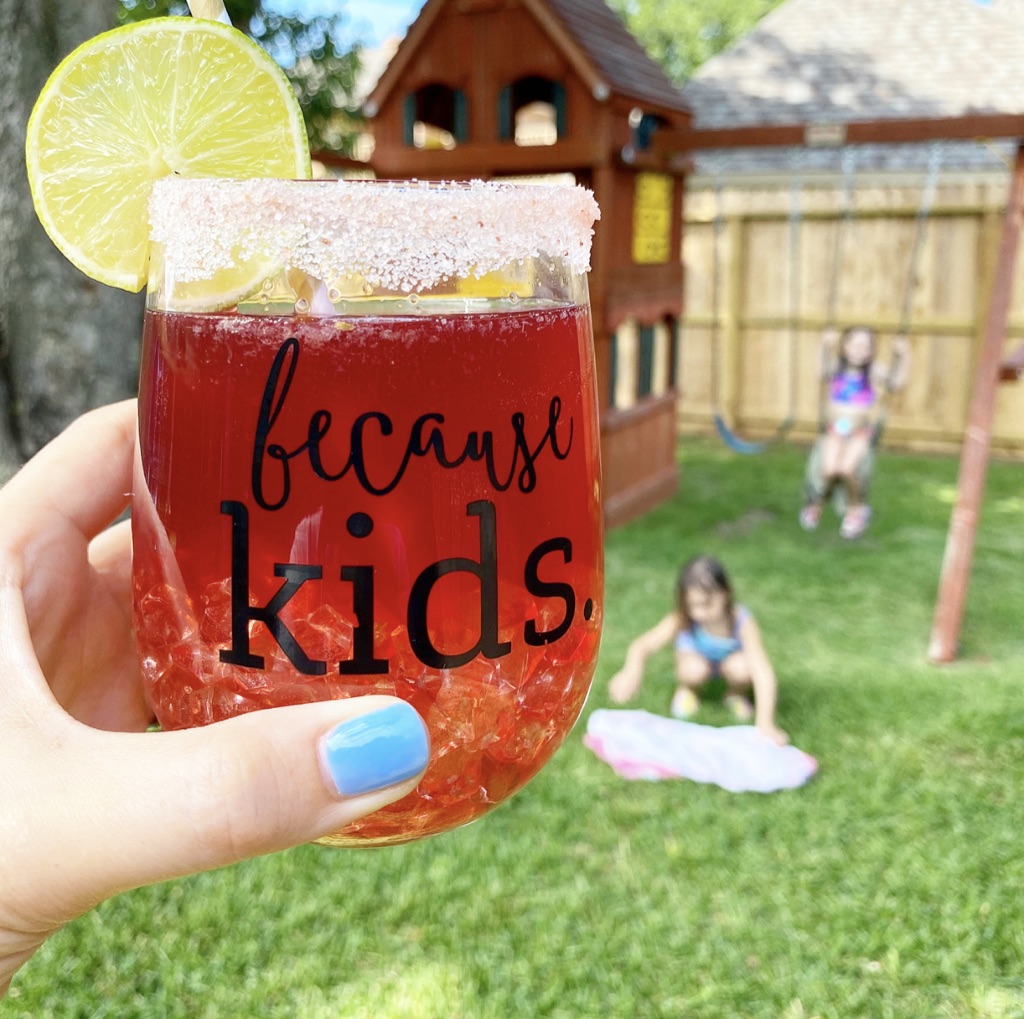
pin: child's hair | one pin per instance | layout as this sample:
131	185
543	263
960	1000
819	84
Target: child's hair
705	573
844	365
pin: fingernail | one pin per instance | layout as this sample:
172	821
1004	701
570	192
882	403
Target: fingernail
375	750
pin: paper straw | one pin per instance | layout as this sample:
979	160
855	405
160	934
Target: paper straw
211	10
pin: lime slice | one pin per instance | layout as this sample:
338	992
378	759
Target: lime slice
214	290
168	95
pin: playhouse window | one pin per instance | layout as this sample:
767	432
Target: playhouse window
641	362
531	111
645	363
436	117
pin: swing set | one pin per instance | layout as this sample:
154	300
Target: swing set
794	222
990	366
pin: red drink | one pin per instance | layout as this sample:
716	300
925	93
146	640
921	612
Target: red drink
435	443
330	505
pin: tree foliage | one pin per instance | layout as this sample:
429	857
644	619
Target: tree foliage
316	52
681	34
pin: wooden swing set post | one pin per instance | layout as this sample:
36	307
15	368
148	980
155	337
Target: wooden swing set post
963	524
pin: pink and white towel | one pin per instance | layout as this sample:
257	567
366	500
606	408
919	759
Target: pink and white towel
640	745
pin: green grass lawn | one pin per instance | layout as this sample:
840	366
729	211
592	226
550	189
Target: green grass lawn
891	885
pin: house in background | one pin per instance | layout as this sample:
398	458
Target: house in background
826	62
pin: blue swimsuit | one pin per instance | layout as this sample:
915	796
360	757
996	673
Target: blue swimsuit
853	391
709	646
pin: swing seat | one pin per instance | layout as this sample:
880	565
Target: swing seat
734	442
814	481
749	447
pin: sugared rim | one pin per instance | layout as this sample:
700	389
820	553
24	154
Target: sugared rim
403	236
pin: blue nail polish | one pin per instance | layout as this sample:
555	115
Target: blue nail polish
376	750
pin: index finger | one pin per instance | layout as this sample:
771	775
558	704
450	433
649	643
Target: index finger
82	478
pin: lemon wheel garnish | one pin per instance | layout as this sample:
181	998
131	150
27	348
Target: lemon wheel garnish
168	95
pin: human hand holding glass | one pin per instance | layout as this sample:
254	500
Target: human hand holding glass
95	210
92	804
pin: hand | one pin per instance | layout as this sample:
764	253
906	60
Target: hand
830	338
771	731
624	685
900	347
91	804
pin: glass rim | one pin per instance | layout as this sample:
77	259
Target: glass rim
406	235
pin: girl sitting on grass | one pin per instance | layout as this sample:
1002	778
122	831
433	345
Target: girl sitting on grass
712	638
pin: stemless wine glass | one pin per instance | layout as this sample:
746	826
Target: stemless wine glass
369	463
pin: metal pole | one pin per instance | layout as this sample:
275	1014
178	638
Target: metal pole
956	563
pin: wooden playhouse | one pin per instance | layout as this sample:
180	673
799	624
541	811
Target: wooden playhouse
533	88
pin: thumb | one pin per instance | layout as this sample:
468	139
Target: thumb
142	808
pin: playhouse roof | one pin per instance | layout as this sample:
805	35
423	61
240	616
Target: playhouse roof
597	36
624	64
831	61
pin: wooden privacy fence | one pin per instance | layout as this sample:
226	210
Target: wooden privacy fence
756	357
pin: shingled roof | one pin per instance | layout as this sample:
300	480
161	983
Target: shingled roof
841	60
615	52
600	37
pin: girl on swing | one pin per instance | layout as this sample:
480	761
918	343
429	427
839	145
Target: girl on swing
856	385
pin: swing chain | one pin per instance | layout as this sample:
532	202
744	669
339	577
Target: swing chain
924	211
717	225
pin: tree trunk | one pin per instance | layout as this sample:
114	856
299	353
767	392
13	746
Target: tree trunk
67	343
